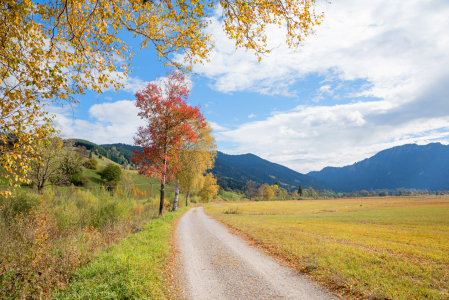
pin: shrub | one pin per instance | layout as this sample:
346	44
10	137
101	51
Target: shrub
20	204
45	239
79	180
111	172
91	164
233	211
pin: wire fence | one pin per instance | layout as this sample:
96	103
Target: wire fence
86	187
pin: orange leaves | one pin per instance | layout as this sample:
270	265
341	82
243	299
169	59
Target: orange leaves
168	116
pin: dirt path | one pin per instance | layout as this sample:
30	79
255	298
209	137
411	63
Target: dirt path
216	264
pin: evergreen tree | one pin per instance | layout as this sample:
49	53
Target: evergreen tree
300	191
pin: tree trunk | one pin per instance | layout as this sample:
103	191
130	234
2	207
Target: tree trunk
40	188
161	204
175	202
187	198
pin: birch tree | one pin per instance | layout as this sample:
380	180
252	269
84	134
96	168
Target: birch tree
195	159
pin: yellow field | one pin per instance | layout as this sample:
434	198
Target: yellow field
393	248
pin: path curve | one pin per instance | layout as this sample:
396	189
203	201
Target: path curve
216	264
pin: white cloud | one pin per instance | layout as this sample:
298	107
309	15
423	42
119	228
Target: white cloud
108	98
397	48
110	122
252	116
397	51
217	127
325	89
310	138
115	122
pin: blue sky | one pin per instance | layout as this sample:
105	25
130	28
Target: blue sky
374	76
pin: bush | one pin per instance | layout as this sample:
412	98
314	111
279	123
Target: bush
79	180
20	204
111	172
45	239
91	164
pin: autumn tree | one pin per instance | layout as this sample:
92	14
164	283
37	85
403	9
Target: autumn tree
195	159
91	164
163	106
51	50
251	189
47	168
209	189
267	192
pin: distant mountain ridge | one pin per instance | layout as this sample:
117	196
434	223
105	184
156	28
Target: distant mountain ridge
408	166
232	171
235	170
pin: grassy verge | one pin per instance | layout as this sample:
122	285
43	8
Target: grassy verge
131	269
388	248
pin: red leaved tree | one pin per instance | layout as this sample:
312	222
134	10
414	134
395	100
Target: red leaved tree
164	108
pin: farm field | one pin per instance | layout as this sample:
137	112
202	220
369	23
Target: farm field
388	248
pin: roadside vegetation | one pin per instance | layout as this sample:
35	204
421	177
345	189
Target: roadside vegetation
132	269
47	237
382	248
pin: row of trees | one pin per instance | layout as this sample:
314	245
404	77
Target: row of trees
275	192
177	143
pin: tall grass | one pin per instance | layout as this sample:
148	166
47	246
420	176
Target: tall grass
46	238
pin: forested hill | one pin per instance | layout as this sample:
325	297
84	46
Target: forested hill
408	166
119	153
234	171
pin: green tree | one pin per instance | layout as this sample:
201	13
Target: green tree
300	191
71	166
111	172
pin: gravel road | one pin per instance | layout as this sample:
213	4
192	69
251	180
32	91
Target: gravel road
215	264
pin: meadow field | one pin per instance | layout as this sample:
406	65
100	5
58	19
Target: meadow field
374	248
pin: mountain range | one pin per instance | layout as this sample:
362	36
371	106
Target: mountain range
234	171
408	166
231	171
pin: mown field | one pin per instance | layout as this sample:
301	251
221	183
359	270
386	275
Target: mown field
384	248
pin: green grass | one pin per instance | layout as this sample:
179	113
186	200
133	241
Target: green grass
132	269
394	248
140	181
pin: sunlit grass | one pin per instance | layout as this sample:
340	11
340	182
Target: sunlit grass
132	269
394	248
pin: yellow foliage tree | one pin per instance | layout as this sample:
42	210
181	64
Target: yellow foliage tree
268	192
195	159
51	50
209	189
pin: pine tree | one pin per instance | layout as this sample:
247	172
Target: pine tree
300	191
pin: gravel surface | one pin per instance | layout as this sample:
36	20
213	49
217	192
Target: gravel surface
216	264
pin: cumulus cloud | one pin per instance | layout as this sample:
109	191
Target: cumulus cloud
115	122
251	116
217	127
397	48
